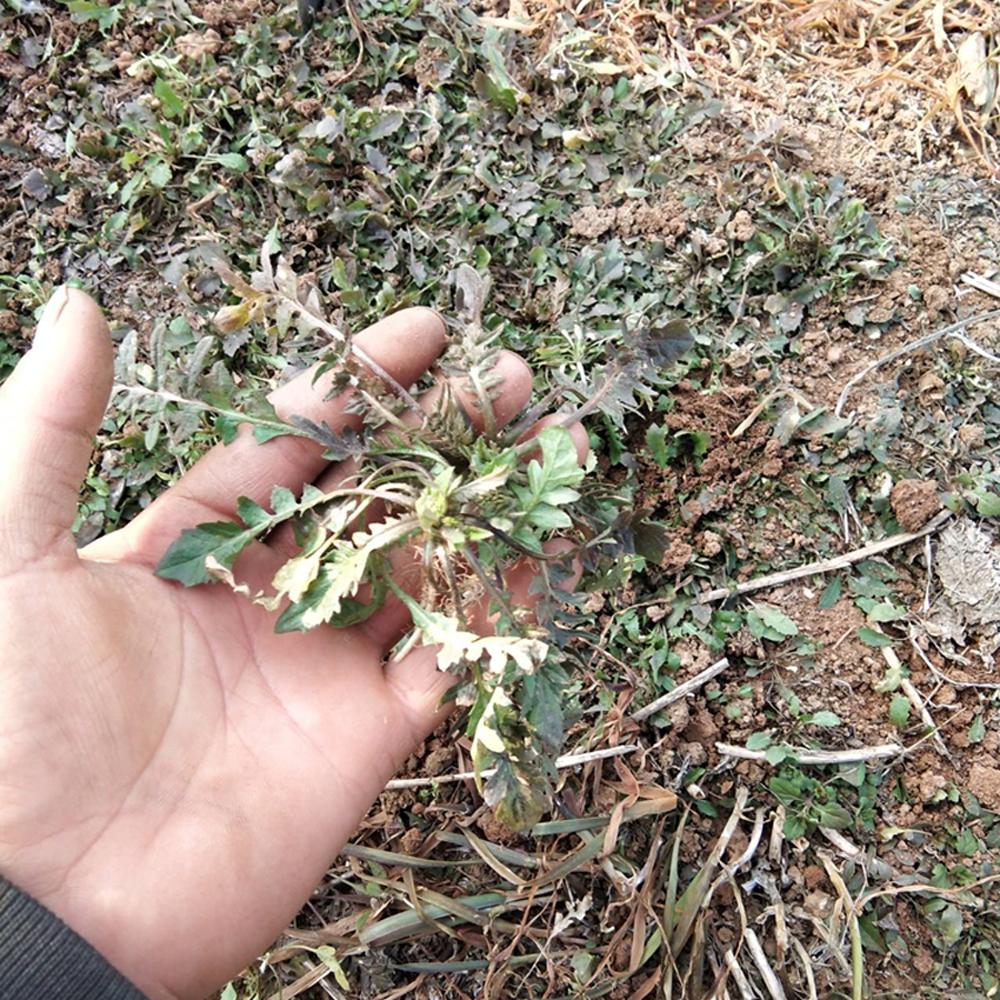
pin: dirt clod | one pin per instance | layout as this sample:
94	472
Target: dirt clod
676	556
914	502
984	783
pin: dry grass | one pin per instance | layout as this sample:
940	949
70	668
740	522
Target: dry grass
947	52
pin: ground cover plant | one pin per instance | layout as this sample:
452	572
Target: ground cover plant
777	678
470	503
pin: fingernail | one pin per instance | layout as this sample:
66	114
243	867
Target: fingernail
442	319
50	315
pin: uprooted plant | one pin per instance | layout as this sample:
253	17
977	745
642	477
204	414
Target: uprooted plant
468	504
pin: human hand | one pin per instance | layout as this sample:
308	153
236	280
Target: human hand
176	777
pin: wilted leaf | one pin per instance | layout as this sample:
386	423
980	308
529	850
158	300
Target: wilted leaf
35	185
471	289
295	576
976	73
337	445
515	798
661	344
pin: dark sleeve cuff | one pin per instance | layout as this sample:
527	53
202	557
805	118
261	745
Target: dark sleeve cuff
41	957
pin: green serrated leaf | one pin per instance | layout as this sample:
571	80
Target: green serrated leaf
236	162
871	936
267	432
172	105
550	481
777	620
778	755
977	731
824	718
872	638
899	710
251	513
869	587
184	561
987	503
159	174
226	427
758	741
795	827
541	515
328	956
106	15
834	815
559	461
880	611
282	500
967	843
558	496
831	593
657	442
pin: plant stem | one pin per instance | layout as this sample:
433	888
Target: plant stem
366	359
492	588
568	760
196	404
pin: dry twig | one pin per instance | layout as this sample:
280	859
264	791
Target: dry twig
952	331
982	284
359	31
566	761
944	678
825	565
803	956
849	850
681	691
771	980
739	977
908	688
817	756
852	912
925	717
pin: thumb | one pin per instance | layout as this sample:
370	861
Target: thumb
50	407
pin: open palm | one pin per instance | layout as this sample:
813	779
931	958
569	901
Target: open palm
174	777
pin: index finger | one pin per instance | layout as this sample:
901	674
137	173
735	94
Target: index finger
404	345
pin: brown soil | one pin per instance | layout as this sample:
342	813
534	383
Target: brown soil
730	513
914	502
